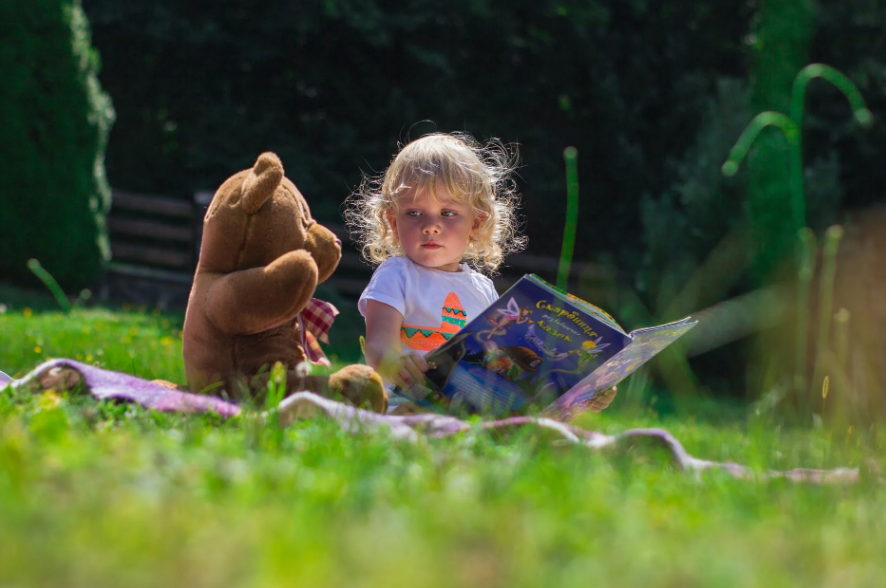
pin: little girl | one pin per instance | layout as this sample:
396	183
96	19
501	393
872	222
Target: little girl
445	200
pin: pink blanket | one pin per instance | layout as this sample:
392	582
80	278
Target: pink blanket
106	384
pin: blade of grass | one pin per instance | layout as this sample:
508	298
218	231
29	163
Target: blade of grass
570	154
47	279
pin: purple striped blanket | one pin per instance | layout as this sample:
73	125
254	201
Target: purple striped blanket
105	384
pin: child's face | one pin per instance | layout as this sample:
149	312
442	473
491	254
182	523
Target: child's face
434	232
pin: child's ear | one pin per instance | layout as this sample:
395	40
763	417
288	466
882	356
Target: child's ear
392	220
478	222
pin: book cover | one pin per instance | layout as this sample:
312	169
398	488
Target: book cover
536	346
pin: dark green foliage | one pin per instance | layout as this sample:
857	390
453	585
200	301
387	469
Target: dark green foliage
780	48
700	208
332	86
842	168
55	120
703	207
849	36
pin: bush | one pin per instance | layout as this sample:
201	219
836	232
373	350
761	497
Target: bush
702	207
333	86
55	120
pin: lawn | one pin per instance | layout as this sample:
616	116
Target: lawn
96	494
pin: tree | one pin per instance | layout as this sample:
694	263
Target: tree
55	119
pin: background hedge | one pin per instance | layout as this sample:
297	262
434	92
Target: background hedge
333	86
652	94
55	121
646	90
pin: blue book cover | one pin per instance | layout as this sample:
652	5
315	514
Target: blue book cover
536	346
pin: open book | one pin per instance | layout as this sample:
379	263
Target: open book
536	346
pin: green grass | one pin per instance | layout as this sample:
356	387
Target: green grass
97	494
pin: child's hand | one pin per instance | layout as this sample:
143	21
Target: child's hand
602	400
409	369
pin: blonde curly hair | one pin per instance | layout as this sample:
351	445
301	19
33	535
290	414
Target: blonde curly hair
480	175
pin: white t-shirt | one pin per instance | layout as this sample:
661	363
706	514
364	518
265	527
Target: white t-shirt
435	304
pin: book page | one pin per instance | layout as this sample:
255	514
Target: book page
666	328
646	344
595	311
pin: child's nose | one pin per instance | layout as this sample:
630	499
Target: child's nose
430	226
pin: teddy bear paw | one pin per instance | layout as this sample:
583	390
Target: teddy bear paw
361	386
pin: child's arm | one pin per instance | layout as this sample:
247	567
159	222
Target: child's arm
383	351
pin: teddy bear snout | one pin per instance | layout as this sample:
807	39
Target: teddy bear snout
325	247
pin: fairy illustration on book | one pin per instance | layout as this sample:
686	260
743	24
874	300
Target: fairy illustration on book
513	314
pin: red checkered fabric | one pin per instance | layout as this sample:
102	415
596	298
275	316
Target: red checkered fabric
314	322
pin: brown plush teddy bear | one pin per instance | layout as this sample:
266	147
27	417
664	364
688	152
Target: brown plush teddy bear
261	258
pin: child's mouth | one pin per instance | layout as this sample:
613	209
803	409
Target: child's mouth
431	245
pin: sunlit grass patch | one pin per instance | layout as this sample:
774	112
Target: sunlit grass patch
145	344
128	496
98	493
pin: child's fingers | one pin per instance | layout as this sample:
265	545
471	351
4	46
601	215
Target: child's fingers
420	362
602	400
596	405
413	368
400	380
408	372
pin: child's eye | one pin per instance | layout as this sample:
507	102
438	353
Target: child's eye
413	213
449	213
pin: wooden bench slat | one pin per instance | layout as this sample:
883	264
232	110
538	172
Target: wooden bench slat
353	260
136	271
155	255
527	262
353	286
340	231
150	203
146	228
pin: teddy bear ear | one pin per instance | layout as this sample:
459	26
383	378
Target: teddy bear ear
262	182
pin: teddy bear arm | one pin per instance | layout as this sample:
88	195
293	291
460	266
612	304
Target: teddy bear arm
359	384
258	299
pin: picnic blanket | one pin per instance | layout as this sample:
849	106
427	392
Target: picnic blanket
105	384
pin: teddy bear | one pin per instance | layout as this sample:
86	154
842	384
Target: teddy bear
261	258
